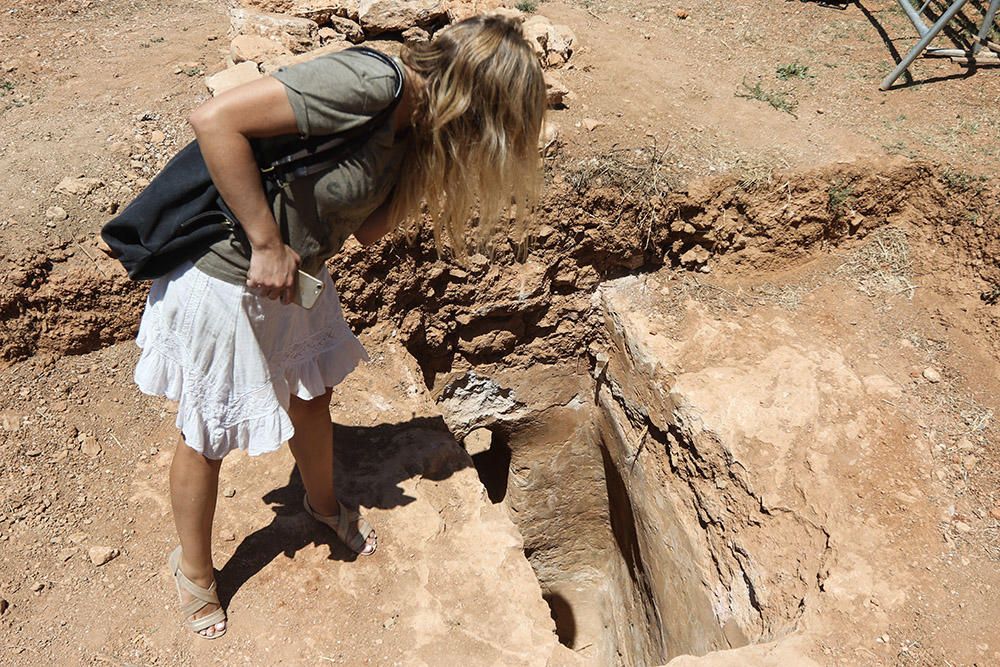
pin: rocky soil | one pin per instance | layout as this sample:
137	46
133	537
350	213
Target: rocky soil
735	399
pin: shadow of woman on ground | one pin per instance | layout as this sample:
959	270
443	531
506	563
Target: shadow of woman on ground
370	465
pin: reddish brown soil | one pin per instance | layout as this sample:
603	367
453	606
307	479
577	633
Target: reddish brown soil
776	202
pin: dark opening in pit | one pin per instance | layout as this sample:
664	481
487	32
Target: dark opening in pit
562	613
493	467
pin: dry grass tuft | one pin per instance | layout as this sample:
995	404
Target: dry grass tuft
787	297
976	417
755	176
643	175
881	266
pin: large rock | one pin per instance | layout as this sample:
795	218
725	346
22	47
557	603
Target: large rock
294	33
415	34
378	16
79	187
231	77
536	31
100	555
561	41
553	44
322	11
351	31
748	444
254	48
553	475
555	91
459	10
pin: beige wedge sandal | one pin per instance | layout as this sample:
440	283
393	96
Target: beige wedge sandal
350	527
202	598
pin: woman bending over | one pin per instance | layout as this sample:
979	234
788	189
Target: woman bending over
220	335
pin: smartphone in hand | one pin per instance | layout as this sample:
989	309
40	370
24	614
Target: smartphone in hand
307	290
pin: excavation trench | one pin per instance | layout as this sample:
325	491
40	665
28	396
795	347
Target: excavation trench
619	537
647	541
648	538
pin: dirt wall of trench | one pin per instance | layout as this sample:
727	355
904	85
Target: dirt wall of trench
72	300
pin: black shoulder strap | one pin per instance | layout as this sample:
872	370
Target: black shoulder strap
319	153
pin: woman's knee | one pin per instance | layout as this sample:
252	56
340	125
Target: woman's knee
298	407
187	455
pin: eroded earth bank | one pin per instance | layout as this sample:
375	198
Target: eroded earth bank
717	420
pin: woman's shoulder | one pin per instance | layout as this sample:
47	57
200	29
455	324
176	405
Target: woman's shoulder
354	80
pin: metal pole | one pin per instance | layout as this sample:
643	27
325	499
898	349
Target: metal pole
987	27
926	39
914	16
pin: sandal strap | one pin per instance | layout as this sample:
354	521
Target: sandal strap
205	595
205	622
202	597
192	607
356	538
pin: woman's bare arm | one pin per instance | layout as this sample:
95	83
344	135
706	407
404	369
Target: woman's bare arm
375	225
224	126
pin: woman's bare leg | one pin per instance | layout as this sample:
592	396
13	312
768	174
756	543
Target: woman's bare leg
312	447
194	485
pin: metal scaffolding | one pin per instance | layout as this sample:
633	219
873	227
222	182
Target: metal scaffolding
927	33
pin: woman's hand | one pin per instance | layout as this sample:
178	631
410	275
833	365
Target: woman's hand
273	270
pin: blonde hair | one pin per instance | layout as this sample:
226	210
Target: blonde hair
474	149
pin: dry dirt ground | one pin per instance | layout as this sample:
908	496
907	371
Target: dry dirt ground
864	217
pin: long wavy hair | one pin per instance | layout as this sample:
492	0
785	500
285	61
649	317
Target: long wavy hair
474	150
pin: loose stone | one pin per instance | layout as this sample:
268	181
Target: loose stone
56	213
89	444
101	555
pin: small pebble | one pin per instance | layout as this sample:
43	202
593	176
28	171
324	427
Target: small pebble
229	492
101	555
681	13
227	536
931	375
38	587
56	213
89	444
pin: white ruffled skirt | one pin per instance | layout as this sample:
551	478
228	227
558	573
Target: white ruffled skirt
231	359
